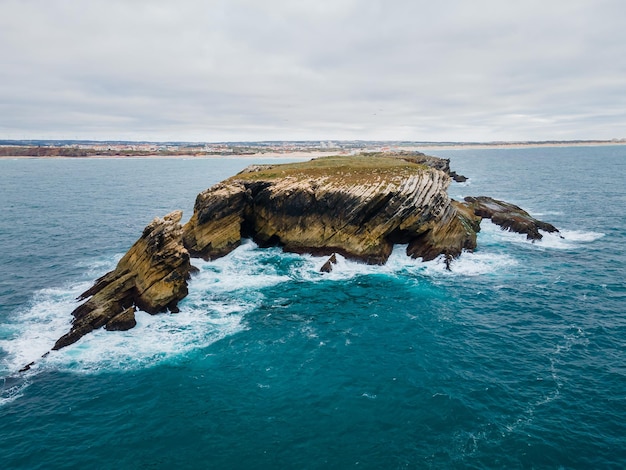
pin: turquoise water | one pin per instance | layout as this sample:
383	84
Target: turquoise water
515	359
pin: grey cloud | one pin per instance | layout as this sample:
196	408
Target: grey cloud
219	70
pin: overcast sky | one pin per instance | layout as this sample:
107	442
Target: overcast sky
212	70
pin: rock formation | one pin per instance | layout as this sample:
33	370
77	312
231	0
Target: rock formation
357	206
328	265
509	217
152	276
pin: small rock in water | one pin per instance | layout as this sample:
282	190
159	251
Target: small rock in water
328	265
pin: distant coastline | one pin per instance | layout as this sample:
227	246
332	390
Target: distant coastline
514	145
304	149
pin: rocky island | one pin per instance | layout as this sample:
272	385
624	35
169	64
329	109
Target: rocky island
357	206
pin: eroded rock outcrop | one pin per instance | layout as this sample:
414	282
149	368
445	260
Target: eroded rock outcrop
327	267
509	217
357	206
152	277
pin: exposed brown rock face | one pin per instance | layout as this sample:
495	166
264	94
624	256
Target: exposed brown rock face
454	233
152	276
123	321
328	265
215	227
356	206
509	216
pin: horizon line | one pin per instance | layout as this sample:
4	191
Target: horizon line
287	141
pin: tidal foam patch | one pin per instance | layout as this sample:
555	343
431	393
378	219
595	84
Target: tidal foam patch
205	317
31	332
493	235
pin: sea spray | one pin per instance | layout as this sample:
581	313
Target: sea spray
222	293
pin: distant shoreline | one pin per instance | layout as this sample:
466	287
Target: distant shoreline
519	145
316	154
181	156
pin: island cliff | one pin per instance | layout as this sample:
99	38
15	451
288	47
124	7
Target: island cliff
358	206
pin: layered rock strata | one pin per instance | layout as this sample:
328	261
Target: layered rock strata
509	217
152	277
356	206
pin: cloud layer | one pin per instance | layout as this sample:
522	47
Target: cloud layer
325	69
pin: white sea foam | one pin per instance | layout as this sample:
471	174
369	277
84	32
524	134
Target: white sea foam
491	234
242	269
470	264
33	331
565	239
204	318
154	339
12	388
219	297
398	264
546	213
344	269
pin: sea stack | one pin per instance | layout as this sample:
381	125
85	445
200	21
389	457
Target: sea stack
152	277
357	206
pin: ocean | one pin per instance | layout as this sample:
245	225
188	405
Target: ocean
516	358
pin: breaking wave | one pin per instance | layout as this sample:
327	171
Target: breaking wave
491	234
220	296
